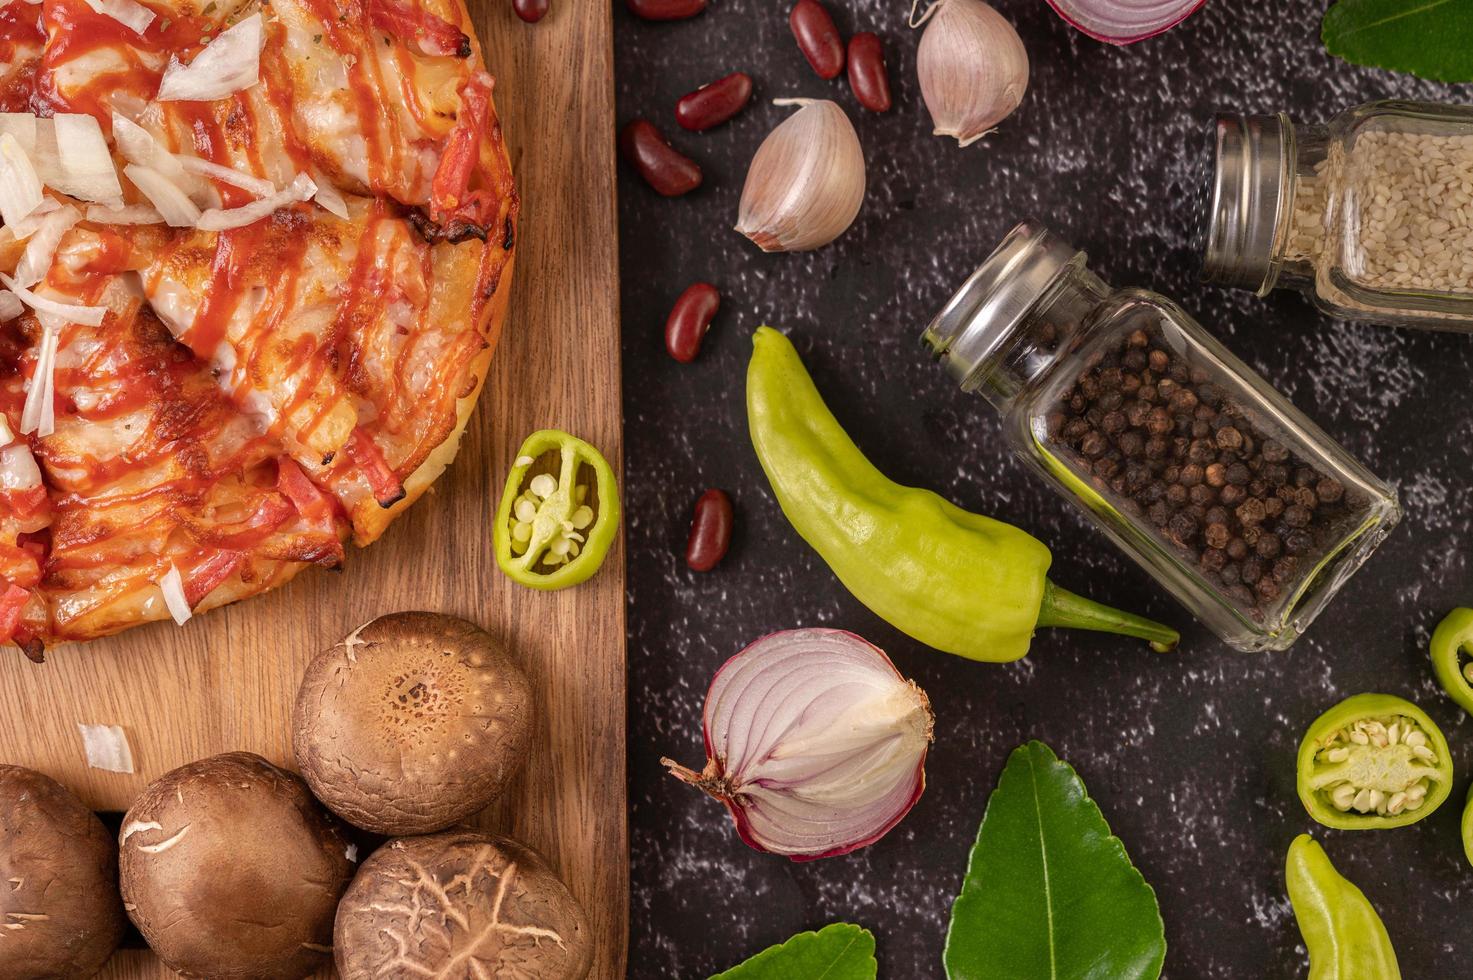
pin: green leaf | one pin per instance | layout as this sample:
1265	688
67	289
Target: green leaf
1428	38
841	951
1050	894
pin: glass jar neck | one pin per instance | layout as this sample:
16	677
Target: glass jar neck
1249	214
1019	313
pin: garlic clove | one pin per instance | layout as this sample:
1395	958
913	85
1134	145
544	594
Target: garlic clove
806	183
972	67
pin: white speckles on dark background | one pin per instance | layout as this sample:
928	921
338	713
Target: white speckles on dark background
1190	755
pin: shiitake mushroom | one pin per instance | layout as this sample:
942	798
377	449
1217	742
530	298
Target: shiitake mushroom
423	906
230	868
60	914
412	723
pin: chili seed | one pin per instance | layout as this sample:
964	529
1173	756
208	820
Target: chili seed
689	320
714	103
664	168
867	75
710	531
530	11
665	9
817	38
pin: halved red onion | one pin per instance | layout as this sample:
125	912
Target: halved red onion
1125	21
815	743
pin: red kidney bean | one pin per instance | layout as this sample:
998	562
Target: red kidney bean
689	320
530	11
710	531
867	76
663	167
713	104
665	9
817	38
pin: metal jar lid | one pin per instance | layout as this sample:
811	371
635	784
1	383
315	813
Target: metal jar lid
1252	157
996	300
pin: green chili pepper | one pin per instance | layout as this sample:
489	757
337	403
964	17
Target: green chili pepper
1372	762
1452	638
956	581
558	514
1345	937
1468	827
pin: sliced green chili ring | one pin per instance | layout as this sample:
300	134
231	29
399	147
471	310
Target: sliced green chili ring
559	512
1468	827
1452	656
1372	762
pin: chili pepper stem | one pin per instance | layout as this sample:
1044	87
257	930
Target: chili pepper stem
1063	608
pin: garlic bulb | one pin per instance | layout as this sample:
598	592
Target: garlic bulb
972	66
806	183
815	743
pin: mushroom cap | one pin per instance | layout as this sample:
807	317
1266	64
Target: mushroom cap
230	868
412	723
420	906
59	907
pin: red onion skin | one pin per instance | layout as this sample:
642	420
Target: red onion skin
739	817
1131	39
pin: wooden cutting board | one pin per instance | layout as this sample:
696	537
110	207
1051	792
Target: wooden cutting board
227	679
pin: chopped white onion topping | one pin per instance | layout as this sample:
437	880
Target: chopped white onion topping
85	164
10	305
27	226
18	469
88	316
258	186
172	585
134	16
6	435
228	64
41	249
132	214
21	125
138	145
107	748
39	416
175	206
20	186
215	219
331	200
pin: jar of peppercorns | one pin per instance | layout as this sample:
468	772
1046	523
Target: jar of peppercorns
1370	214
1207	477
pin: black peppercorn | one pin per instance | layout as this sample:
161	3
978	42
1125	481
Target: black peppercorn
1251	569
1251	511
1274	451
1202	495
1268	545
1093	444
1158	360
1176	495
1217	534
1182	529
1229	438
1159	513
1238	475
1329	490
1214	559
1297	516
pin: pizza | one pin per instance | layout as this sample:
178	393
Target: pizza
255	260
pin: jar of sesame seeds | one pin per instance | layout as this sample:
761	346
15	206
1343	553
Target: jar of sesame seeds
1371	214
1194	465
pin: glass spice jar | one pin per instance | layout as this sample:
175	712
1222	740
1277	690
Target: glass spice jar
1208	478
1371	215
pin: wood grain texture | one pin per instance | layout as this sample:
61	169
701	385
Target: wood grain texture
227	680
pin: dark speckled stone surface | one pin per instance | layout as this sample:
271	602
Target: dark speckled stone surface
1191	755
